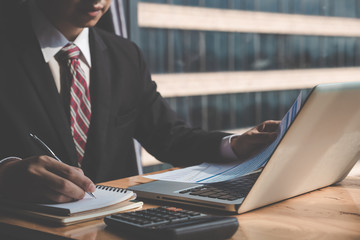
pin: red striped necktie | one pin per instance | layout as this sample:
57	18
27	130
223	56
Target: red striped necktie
80	106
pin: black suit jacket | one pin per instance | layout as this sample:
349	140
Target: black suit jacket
125	105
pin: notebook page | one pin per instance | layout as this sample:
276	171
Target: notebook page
104	198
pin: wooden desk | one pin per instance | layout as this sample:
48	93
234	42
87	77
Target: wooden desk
328	213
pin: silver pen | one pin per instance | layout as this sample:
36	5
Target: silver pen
49	151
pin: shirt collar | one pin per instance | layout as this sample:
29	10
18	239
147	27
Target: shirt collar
52	40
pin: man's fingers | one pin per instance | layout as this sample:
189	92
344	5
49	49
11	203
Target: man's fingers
62	178
272	126
260	137
57	197
79	170
269	126
44	194
62	185
256	139
73	174
78	178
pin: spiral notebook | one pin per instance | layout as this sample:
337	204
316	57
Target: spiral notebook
109	200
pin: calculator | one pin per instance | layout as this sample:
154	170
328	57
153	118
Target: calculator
172	223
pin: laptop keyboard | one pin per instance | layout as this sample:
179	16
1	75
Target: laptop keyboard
227	190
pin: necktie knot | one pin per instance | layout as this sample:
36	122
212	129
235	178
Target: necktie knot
70	51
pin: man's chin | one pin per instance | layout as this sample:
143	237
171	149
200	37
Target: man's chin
87	21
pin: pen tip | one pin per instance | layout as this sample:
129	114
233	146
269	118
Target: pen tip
91	194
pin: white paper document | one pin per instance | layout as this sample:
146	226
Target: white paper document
105	196
211	172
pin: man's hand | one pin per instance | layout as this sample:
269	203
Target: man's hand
253	141
43	179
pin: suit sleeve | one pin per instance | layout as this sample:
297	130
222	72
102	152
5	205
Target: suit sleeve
167	137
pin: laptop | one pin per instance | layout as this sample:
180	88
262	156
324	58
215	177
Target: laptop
318	149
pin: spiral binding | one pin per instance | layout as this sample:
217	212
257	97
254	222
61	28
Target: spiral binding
114	189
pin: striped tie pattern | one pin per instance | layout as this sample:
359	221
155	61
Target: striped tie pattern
80	106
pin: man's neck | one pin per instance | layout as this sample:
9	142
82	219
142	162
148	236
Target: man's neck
70	32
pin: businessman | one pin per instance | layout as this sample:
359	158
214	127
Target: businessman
88	94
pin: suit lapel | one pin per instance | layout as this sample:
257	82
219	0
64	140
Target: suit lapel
40	75
43	82
100	89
